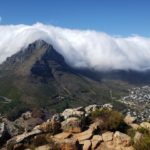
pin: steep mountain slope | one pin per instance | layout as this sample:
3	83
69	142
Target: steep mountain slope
38	76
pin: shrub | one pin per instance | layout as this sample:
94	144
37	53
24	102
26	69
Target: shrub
143	144
109	119
143	131
131	132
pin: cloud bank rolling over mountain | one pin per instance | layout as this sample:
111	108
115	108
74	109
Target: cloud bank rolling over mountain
80	48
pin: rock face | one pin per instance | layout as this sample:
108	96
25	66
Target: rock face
129	119
4	135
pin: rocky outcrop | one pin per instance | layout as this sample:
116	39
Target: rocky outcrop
75	132
72	125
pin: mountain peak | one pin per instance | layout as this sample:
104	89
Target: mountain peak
38	54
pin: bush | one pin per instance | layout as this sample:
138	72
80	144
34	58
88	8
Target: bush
109	119
143	144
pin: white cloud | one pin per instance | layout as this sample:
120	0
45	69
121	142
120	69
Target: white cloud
81	48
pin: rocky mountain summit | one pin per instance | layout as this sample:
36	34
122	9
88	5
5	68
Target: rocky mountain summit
95	127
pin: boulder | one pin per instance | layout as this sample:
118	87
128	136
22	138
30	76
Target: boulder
129	119
96	140
107	136
72	113
86	145
86	135
69	144
72	125
145	125
122	139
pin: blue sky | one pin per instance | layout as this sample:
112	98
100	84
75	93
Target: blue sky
116	17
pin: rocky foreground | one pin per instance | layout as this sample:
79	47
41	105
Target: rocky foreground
84	128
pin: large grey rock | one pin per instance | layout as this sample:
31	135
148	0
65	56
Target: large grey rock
72	113
20	138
